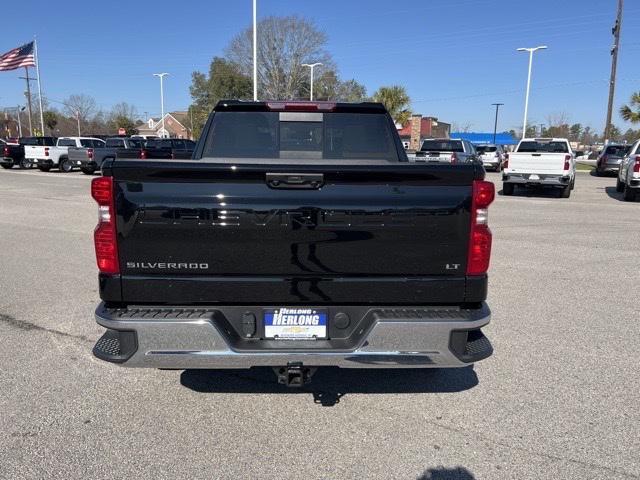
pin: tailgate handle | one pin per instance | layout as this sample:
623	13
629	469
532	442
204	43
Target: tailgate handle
311	181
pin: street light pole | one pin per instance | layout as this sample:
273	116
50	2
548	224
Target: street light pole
18	110
78	120
255	51
526	101
311	66
161	77
495	125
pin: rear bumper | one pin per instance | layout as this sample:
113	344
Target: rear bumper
85	164
391	337
40	162
548	180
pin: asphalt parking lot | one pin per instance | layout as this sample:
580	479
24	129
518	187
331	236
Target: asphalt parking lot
559	398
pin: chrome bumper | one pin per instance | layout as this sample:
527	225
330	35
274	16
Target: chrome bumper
184	343
523	179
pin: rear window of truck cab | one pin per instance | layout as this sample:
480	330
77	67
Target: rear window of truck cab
301	136
442	146
543	147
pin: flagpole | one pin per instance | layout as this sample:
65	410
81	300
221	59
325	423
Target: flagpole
35	51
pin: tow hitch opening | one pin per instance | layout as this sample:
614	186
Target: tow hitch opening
294	374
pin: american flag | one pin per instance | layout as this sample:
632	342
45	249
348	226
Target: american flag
18	57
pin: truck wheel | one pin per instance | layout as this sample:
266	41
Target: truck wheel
25	164
598	172
629	194
64	165
44	168
619	186
565	192
573	183
88	170
508	188
7	166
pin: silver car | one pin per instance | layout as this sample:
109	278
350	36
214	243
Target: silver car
610	158
491	156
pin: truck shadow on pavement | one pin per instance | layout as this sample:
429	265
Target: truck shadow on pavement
611	191
330	384
456	473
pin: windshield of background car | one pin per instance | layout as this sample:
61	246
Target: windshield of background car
442	146
543	147
301	135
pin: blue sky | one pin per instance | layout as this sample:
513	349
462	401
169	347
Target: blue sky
455	57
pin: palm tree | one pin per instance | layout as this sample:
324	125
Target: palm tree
627	111
396	100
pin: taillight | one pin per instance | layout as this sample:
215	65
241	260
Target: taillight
5	151
567	162
173	156
506	161
636	166
454	158
104	236
46	151
480	236
143	154
90	153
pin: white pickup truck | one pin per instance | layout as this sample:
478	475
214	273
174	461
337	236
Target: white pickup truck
540	162
46	158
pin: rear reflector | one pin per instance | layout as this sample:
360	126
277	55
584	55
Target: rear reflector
480	236
105	233
143	154
301	106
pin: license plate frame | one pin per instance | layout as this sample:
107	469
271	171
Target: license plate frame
295	323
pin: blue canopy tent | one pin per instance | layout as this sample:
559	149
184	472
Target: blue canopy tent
503	138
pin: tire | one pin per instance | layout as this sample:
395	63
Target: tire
573	183
44	168
64	165
619	186
565	192
508	188
25	164
598	172
629	194
7	166
88	170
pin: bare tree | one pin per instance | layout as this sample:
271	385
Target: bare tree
284	44
81	106
124	109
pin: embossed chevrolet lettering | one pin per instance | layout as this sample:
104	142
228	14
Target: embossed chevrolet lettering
284	218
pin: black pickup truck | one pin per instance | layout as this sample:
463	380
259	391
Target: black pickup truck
162	148
299	235
13	154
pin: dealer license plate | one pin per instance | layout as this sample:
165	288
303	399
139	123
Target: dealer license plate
293	323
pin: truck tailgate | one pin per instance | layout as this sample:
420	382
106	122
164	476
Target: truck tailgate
544	163
216	233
